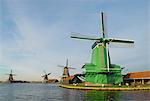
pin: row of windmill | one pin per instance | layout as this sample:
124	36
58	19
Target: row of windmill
45	76
64	75
100	70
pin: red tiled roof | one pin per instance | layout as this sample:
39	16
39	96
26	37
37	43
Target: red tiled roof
144	74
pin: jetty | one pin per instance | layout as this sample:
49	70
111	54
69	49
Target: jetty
113	88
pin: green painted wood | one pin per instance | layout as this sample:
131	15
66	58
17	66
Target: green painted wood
96	71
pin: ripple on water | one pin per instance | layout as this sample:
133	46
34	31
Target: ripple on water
51	92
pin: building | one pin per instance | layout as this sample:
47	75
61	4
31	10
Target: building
137	78
73	79
52	81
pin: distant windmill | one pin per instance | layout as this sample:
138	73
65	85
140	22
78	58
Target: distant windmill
10	78
66	70
45	76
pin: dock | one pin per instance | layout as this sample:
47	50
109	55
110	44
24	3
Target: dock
104	88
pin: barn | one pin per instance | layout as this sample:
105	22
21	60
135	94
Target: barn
137	78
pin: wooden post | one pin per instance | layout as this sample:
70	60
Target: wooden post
134	81
142	81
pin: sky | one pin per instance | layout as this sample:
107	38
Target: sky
35	35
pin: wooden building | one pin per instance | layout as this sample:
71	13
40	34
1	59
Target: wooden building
73	79
137	78
52	81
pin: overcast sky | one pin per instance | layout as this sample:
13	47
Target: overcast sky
35	35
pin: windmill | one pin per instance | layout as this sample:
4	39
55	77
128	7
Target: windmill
10	78
100	70
65	70
45	76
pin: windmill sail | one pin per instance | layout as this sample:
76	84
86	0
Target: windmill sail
77	36
120	40
103	26
67	63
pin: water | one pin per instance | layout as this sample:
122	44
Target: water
51	92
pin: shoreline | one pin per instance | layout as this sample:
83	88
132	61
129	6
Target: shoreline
104	88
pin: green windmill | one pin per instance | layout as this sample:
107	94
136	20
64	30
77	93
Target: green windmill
100	70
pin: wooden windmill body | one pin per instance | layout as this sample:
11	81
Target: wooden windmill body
66	74
45	76
11	77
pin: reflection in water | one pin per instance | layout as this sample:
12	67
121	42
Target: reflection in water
102	96
117	96
72	95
